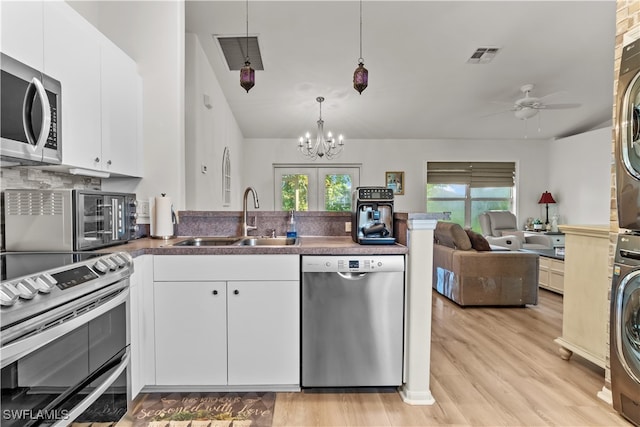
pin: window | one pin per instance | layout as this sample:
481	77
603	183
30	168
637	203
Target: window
466	189
308	188
226	178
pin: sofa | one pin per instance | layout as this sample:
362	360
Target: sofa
500	228
481	276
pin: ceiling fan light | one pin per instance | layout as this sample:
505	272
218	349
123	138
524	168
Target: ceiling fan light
525	113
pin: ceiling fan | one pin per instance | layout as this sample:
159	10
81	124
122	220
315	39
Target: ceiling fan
529	106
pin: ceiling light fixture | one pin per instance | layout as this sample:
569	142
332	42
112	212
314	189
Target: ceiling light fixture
525	113
247	74
361	74
323	146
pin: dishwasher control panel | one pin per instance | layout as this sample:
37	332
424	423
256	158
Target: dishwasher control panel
356	263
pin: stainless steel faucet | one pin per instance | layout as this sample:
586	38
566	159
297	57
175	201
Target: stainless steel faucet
245	226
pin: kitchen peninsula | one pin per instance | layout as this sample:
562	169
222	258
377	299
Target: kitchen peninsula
161	264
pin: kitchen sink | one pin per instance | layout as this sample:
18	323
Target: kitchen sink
209	241
267	241
237	241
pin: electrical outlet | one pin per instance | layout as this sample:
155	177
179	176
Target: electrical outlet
347	227
143	208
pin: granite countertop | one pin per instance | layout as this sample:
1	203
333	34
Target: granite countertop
309	245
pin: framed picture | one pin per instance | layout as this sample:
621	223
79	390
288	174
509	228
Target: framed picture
395	181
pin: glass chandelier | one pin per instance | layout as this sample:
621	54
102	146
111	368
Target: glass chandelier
322	146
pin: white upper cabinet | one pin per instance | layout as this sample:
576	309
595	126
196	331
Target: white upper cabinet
101	112
121	108
22	31
81	112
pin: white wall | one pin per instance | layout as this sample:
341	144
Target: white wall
152	33
208	131
580	177
379	156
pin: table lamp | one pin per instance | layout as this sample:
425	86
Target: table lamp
546	198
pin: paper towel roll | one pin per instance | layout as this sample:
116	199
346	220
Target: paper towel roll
163	224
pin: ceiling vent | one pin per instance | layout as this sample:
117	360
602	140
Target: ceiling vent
234	50
483	55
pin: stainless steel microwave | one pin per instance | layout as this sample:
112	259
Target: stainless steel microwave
65	220
30	115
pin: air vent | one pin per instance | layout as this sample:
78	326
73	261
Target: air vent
483	55
234	50
34	203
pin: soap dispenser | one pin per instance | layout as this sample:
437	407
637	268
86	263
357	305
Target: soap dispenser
291	230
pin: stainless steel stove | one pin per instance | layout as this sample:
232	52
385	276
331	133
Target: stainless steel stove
64	346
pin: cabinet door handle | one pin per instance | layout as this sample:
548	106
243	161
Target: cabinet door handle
215	292
236	292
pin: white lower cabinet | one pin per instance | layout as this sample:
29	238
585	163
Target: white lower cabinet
263	324
140	324
191	333
243	330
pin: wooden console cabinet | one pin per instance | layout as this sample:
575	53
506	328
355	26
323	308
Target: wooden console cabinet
585	301
551	274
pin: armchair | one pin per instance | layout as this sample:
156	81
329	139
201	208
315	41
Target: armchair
500	228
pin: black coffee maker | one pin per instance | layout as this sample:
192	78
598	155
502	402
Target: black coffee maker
372	216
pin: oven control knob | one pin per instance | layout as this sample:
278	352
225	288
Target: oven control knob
118	261
26	289
8	295
112	265
45	283
101	267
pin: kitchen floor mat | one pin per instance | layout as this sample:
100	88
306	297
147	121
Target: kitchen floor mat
201	410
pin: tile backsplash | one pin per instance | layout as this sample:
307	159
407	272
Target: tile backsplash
26	177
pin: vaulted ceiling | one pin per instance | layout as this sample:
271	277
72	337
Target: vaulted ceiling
421	85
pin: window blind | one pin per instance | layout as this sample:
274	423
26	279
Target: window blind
475	174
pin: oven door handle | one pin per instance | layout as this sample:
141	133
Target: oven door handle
17	349
97	392
115	211
36	87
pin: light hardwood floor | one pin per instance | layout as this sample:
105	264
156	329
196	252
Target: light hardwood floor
489	367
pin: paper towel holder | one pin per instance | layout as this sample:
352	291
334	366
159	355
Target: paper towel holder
163	217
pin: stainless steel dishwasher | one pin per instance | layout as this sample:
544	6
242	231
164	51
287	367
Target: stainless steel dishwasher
352	320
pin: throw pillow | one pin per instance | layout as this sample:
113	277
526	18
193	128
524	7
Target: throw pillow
478	242
518	234
452	235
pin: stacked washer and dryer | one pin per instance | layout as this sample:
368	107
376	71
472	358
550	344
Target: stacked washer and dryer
625	288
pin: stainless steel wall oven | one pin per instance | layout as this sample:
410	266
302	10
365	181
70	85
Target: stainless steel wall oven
65	340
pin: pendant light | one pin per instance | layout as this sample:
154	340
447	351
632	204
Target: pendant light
247	74
361	74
